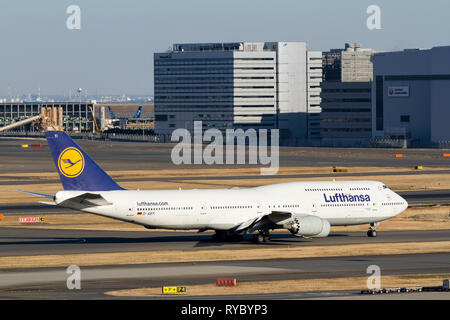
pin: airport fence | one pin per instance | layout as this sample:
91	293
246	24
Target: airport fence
369	143
442	145
389	143
20	134
354	143
86	135
30	134
132	137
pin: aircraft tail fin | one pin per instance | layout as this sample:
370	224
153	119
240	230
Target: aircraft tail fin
76	169
113	116
138	113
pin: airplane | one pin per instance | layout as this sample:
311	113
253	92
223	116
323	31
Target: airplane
307	208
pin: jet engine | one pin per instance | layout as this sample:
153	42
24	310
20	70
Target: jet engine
309	226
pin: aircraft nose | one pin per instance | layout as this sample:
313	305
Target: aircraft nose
405	206
404	202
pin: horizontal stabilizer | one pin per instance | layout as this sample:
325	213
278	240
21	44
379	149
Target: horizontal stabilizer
37	194
86	199
49	203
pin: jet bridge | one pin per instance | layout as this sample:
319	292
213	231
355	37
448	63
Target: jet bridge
49	118
19	123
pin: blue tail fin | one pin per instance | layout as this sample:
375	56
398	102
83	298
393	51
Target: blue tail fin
113	116
138	113
76	169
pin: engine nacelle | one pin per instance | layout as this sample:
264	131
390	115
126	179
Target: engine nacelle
309	226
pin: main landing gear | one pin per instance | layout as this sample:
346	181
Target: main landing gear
372	230
262	236
225	236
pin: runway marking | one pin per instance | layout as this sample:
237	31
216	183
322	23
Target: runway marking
23	278
169	256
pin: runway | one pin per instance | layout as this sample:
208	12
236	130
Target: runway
96	280
23	241
113	155
28	181
50	283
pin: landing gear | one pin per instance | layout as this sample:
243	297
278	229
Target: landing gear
372	233
219	236
372	230
262	236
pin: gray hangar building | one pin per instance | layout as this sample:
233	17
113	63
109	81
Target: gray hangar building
410	96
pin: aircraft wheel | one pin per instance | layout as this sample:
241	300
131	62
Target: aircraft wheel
372	233
259	238
219	236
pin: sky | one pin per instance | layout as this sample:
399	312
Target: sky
112	52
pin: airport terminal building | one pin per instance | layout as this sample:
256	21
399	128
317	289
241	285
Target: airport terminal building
410	96
260	85
77	117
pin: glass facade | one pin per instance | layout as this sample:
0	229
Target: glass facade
76	116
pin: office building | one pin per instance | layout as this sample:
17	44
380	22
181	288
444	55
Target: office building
346	96
260	85
351	64
346	117
314	80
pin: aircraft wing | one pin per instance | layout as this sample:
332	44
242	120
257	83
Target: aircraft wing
255	223
278	218
246	224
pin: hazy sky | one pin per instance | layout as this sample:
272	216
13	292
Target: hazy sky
113	50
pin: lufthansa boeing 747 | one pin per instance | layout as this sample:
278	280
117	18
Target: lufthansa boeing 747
307	208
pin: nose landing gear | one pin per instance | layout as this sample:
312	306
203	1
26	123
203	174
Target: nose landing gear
372	230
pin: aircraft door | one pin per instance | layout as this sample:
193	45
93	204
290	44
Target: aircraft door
375	206
259	208
204	210
130	210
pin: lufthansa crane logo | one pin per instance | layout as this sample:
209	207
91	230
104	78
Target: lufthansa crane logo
71	162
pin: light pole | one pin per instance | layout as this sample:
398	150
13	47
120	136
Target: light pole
79	90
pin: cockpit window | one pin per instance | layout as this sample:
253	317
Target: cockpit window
384	186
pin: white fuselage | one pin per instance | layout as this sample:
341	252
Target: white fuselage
339	202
